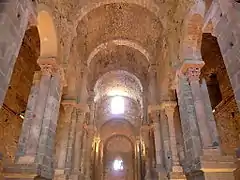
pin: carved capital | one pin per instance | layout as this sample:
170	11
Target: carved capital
192	69
68	109
47	65
169	105
193	73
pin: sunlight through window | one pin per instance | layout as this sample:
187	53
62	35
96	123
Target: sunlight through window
118	165
117	105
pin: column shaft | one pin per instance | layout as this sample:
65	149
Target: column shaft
34	134
192	143
193	77
175	162
46	142
71	139
83	153
78	143
28	117
158	146
88	152
68	108
165	136
145	136
210	116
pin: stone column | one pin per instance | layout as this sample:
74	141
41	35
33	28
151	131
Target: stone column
176	168
90	135
78	144
101	161
71	140
145	135
137	159
41	101
14	21
192	69
46	140
37	158
28	116
209	162
192	143
61	163
97	154
210	116
158	145
83	153
165	137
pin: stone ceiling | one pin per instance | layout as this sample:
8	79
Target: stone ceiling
117	41
118	82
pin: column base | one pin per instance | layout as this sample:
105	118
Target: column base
177	173
19	171
177	176
59	174
213	166
27	171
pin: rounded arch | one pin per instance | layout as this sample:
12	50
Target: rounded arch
128	84
125	140
193	31
47	32
118	42
117	126
150	5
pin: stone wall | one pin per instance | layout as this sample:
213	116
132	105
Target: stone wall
17	95
226	112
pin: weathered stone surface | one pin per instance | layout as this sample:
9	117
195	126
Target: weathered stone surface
135	46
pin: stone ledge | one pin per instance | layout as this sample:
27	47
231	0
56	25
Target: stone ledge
217	163
18	171
26	171
177	176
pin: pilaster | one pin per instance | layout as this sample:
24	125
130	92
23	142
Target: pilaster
78	144
90	135
160	169
61	162
192	69
176	168
208	159
145	136
36	155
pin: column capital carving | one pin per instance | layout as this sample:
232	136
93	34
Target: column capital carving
169	105
48	65
153	108
62	76
192	69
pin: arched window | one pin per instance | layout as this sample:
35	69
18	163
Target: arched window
117	165
117	105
